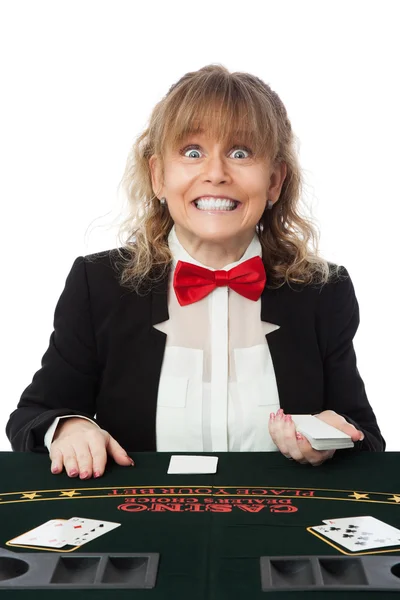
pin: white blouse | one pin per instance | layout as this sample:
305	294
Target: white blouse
217	383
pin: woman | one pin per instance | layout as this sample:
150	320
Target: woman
215	321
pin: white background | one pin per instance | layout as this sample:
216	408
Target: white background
79	79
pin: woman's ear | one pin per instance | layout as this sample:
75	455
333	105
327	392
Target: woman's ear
277	178
155	172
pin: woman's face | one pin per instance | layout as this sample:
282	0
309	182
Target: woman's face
232	185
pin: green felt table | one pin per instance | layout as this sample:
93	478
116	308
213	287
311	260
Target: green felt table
210	530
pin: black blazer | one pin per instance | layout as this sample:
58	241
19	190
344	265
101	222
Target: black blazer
104	357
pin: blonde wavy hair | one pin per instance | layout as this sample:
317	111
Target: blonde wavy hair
228	104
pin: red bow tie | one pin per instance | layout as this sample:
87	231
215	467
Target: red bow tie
192	283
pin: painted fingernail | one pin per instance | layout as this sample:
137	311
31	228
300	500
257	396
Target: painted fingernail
84	475
54	470
287	418
132	462
299	436
272	416
96	474
73	473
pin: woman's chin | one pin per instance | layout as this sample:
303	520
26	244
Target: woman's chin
216	232
213	225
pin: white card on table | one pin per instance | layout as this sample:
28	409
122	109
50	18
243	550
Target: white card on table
192	464
359	533
51	534
79	530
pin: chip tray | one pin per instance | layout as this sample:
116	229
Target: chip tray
296	573
92	571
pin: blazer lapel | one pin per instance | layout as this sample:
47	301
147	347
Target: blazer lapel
294	347
159	301
275	308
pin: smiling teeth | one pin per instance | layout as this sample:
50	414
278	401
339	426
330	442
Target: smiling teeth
215	204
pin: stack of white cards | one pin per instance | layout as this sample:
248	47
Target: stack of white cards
321	435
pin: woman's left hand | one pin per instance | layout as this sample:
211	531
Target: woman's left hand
293	445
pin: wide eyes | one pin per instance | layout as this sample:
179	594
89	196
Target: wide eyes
195	148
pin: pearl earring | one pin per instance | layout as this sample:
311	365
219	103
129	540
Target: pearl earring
269	205
163	201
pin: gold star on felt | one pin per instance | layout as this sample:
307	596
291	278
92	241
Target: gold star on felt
31	495
70	494
358	496
395	497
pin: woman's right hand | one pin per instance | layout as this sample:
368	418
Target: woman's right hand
82	447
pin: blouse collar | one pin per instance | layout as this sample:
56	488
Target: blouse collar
179	252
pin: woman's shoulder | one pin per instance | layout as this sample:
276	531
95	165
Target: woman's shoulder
338	279
337	300
336	286
105	267
107	257
113	258
115	267
328	293
316	281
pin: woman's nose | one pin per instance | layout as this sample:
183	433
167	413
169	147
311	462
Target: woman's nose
216	168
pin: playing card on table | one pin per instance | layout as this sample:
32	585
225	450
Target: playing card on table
359	533
79	530
190	464
50	534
